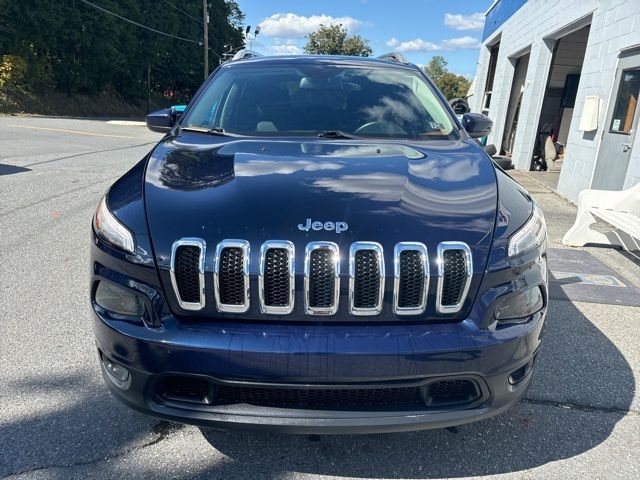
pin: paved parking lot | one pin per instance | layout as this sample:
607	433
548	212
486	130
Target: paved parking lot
581	418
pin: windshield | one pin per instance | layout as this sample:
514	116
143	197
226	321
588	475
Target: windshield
308	99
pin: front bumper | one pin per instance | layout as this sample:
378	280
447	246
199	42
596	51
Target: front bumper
318	356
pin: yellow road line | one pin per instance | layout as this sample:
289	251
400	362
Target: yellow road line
70	131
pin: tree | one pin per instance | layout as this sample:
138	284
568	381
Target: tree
71	47
436	67
450	84
334	40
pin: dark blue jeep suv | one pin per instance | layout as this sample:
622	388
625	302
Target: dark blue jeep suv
317	245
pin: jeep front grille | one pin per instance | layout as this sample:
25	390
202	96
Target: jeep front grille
366	278
187	272
321	278
276	277
231	276
411	278
454	276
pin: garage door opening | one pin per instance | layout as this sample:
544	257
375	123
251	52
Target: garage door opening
521	65
558	103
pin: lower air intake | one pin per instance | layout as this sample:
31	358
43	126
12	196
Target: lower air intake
320	398
451	392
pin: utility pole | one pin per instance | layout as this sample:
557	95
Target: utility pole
148	87
205	21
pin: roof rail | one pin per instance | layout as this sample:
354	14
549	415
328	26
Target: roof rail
242	54
394	57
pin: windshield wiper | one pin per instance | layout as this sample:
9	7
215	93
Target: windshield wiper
211	131
335	134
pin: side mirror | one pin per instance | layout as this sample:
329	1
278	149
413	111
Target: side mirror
477	125
163	120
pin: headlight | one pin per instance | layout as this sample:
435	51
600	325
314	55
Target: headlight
110	229
530	236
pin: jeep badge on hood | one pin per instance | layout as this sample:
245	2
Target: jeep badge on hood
339	227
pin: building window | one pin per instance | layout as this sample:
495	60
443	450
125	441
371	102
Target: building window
625	109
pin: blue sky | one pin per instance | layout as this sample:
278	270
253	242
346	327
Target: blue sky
418	28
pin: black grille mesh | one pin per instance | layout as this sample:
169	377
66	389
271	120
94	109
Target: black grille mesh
277	282
447	392
367	279
455	276
186	268
322	279
411	289
320	398
231	276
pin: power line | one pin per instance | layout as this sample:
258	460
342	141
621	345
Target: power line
183	12
104	10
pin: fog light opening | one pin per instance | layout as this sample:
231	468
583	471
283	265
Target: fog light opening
521	373
520	305
118	375
118	300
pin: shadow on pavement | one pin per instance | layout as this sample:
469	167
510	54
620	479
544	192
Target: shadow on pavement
6	169
85	424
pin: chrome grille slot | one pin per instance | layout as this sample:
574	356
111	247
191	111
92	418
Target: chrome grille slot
187	272
276	280
455	269
411	278
321	278
231	276
366	278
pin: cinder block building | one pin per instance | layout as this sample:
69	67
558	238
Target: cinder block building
569	69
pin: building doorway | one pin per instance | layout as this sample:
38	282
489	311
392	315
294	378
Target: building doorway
620	125
491	74
521	65
559	99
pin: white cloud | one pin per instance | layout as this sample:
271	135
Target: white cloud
460	43
475	21
288	48
415	45
420	45
291	25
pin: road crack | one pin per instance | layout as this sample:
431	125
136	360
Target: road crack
162	429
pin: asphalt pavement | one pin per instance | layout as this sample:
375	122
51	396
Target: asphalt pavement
581	417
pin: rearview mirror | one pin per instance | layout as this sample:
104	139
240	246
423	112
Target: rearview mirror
477	125
163	120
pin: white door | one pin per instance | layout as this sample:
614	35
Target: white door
620	126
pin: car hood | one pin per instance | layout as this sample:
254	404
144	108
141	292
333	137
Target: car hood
260	190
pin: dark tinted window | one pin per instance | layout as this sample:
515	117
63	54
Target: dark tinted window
276	100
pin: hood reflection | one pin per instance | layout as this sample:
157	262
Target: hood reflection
252	165
194	170
408	194
450	170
